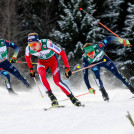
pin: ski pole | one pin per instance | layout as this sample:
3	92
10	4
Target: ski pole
38	88
75	96
88	66
102	24
25	62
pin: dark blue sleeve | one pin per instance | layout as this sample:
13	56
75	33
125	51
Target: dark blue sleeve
85	72
106	41
12	45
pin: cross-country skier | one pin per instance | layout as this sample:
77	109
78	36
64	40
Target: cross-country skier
6	66
47	52
94	53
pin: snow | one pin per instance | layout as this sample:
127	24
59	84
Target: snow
25	114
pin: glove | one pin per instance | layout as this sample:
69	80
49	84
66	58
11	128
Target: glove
32	72
125	42
13	60
91	91
68	72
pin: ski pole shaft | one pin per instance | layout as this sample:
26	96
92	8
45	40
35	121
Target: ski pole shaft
88	66
75	96
109	30
38	88
25	62
102	25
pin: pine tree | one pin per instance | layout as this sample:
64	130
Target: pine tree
75	27
126	54
37	16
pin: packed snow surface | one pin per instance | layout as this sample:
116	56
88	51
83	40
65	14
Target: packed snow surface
25	114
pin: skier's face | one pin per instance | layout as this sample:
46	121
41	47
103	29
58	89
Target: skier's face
91	54
36	46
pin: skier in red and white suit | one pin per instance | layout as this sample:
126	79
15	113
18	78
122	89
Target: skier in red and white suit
47	52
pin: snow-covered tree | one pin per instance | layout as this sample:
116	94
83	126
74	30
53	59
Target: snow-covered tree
126	54
128	30
110	15
76	27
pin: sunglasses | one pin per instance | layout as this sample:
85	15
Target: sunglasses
90	53
32	45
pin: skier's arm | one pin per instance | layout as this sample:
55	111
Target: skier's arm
15	47
109	39
85	72
28	58
60	52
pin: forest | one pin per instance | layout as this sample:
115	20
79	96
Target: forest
68	27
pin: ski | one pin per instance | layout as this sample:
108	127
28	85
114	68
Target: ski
132	97
55	106
82	105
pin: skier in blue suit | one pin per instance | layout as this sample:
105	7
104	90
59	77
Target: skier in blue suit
94	53
6	66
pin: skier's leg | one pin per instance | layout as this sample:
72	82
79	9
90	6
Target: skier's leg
10	68
56	77
96	70
6	77
42	75
111	67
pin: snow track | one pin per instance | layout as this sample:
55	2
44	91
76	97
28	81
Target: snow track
25	114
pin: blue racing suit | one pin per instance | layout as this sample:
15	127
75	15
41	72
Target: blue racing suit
108	64
6	66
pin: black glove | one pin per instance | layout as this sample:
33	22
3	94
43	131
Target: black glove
32	72
68	72
13	60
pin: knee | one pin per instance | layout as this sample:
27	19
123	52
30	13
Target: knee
56	82
6	75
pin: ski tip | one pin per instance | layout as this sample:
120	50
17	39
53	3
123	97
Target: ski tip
45	109
55	106
82	105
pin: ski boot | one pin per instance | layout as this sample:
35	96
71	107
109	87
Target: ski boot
104	94
11	92
131	89
74	100
53	99
28	85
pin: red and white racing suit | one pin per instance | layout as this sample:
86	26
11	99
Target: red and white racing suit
48	59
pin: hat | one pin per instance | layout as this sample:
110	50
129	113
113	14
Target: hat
33	38
89	49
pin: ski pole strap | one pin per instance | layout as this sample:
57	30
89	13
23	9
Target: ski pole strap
88	67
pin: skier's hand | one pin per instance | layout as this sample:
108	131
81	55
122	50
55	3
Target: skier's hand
13	60
125	42
32	72
68	72
91	91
